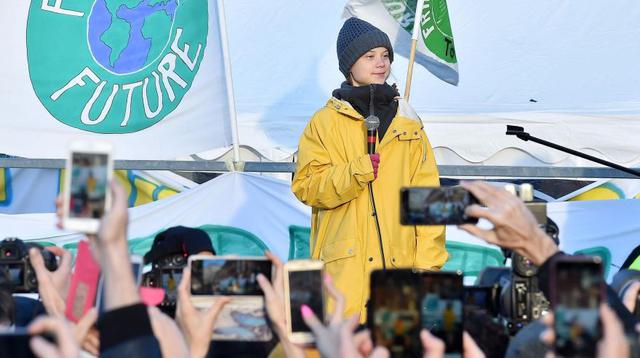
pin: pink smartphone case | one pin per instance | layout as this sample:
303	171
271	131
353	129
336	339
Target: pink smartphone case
84	284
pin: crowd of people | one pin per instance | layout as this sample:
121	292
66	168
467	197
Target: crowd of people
128	327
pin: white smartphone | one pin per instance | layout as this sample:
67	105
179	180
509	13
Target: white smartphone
137	266
86	191
302	286
244	317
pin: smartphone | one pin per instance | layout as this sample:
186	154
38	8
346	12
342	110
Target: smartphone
577	288
15	344
86	191
137	266
302	286
393	313
435	206
84	284
441	296
244	317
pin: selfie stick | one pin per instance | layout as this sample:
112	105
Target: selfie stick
521	134
414	43
372	123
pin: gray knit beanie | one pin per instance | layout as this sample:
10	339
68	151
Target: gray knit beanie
356	38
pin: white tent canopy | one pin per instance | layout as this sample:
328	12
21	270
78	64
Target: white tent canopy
567	72
258	204
266	208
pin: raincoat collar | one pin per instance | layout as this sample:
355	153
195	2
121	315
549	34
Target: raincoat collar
405	124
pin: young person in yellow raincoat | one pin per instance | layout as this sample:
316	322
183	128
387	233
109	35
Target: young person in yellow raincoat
334	169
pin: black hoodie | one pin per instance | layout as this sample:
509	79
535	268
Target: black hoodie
385	106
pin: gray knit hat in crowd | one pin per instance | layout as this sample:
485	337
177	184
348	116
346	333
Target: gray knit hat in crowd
356	38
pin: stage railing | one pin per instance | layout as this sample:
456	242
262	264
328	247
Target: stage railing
477	171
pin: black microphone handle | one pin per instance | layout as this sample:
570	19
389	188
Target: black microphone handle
371	141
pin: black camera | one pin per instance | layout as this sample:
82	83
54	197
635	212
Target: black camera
168	256
166	273
520	299
15	266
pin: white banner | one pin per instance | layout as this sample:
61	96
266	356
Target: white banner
146	76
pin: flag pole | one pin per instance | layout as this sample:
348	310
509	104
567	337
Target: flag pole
414	43
231	101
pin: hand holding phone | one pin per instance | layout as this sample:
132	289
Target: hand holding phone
435	206
577	289
86	190
243	317
196	324
302	286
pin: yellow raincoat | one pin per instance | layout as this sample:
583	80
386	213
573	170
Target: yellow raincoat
331	176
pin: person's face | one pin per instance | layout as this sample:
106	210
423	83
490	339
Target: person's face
371	68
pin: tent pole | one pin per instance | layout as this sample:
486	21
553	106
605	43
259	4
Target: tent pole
414	43
233	118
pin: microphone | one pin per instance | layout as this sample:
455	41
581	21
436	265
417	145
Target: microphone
372	123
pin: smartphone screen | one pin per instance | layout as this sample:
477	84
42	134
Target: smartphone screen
228	277
435	206
393	312
441	301
169	281
578	292
305	288
89	180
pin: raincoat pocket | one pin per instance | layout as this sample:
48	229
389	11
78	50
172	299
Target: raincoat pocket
338	250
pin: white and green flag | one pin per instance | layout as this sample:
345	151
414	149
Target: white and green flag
147	75
435	49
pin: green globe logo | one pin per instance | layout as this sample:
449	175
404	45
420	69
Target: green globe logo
114	66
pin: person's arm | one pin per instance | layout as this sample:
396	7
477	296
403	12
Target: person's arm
52	286
514	226
430	240
275	305
319	182
196	325
111	250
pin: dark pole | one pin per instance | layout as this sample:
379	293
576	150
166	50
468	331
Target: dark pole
520	133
